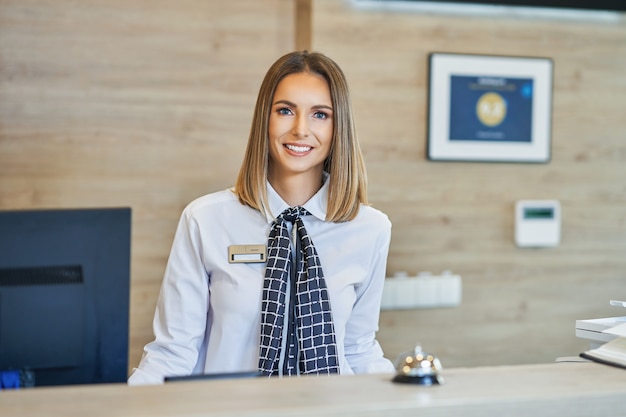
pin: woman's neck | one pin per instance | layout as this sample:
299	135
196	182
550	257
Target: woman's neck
296	190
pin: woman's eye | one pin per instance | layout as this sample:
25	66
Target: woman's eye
320	115
283	111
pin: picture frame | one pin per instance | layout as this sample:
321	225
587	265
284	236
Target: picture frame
489	108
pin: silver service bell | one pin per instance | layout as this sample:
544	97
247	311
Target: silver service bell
418	367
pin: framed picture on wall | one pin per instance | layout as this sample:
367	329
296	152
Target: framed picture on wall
489	108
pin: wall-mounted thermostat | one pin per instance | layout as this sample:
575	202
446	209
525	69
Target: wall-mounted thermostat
537	223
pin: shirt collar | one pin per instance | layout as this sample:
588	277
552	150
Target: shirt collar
316	204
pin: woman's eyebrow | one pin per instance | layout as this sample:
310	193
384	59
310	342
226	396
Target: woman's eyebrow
287	102
290	104
322	106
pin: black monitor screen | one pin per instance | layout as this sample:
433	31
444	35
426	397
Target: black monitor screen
64	296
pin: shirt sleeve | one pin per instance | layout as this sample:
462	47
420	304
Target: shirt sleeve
362	350
180	319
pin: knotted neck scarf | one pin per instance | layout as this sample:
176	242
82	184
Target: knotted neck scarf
297	331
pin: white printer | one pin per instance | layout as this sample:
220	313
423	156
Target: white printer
592	330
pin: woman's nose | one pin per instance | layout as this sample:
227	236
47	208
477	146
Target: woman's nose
301	127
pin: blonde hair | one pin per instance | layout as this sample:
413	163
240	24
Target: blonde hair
348	180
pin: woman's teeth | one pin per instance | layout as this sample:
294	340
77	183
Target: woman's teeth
298	148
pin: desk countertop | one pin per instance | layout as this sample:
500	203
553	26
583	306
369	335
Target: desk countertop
558	389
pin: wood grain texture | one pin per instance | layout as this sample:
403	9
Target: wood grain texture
547	390
303	24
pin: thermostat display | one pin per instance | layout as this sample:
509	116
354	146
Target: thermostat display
537	223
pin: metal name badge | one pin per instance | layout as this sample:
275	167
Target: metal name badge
246	253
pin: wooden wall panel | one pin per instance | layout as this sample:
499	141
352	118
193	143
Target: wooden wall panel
519	305
134	103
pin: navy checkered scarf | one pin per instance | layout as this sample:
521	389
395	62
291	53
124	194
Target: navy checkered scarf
297	331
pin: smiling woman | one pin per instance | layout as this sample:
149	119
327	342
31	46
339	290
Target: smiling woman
348	182
300	136
308	301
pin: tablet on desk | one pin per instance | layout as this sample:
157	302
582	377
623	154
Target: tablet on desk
224	375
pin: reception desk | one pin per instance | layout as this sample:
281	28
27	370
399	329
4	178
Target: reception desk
558	389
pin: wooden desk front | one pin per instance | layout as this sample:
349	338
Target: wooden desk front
559	389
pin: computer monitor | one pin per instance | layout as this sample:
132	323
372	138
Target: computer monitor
64	295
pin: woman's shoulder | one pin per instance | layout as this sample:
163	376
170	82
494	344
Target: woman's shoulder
218	200
373	216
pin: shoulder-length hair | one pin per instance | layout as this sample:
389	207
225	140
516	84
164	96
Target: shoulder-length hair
348	178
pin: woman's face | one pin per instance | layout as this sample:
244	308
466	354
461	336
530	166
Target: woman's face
300	126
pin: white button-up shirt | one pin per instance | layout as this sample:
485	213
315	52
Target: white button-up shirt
208	312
